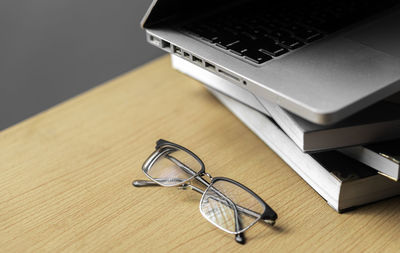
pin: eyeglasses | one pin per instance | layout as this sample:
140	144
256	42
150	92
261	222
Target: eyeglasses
225	203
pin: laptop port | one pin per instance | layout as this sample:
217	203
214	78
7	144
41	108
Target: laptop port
197	60
229	75
209	66
186	55
154	40
165	45
177	50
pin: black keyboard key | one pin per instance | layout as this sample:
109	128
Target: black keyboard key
257	56
293	27
310	21
279	34
290	42
209	36
328	27
192	30
225	41
308	35
238	48
268	45
229	31
248	36
265	40
206	32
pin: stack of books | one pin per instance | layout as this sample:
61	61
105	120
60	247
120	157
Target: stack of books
349	164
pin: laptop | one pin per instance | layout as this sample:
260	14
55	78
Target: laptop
322	60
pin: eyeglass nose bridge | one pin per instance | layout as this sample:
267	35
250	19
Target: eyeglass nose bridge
206	174
167	144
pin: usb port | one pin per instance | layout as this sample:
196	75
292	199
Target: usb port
197	60
186	55
209	66
177	50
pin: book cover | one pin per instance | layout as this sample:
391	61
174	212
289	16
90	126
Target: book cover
384	157
343	182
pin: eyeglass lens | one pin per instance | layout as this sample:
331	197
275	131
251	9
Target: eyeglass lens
173	166
219	202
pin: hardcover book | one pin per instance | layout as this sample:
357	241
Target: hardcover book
343	182
384	157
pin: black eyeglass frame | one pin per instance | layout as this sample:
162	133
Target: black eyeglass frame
157	153
268	213
269	216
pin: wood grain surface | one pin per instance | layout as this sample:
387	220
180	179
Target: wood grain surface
66	178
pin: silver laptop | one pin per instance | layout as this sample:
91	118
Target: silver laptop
322	60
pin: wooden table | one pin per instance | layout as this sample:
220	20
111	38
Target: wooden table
66	178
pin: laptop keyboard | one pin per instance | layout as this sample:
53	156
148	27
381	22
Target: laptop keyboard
259	31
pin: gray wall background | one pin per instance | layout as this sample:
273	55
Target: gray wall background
52	50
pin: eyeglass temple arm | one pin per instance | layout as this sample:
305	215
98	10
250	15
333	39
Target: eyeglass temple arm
144	183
